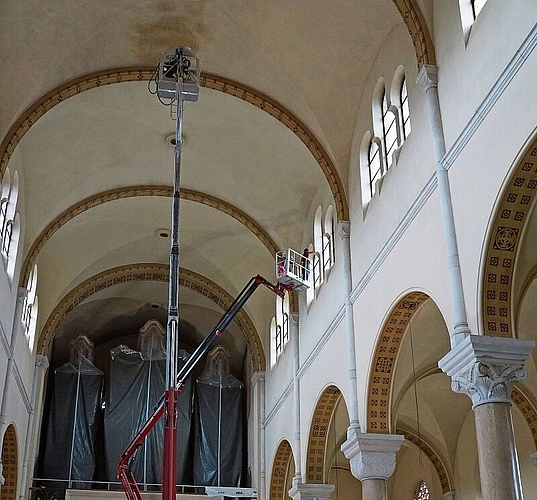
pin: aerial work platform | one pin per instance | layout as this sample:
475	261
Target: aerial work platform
293	269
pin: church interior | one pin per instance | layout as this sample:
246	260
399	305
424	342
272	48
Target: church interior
380	153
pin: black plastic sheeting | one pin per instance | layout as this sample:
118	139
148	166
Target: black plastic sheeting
74	424
135	386
218	432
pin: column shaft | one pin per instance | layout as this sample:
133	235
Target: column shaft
374	489
498	462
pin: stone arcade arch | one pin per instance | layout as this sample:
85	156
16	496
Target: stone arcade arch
151	272
10	461
282	474
322	415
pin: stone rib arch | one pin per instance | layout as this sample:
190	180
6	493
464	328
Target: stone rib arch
446	479
144	73
279	477
507	226
322	415
134	191
381	378
150	272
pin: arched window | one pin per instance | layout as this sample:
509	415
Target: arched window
280	326
4	201
477	5
317	248
389	131
405	110
422	492
29	307
375	165
10	221
328	240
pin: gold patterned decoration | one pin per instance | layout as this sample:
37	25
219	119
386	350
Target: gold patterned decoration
213	82
528	410
417	28
280	471
516	205
381	379
317	435
151	272
10	462
432	454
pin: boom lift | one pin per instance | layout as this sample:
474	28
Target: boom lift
177	78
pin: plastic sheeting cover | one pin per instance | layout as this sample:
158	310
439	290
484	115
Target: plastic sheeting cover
74	424
218	433
135	386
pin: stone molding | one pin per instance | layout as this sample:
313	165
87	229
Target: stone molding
306	491
487	368
372	456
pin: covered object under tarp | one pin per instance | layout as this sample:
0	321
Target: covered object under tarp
218	431
135	385
74	424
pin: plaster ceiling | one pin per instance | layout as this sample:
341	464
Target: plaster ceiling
309	57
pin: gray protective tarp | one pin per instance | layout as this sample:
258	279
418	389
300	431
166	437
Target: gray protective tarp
74	424
135	386
218	435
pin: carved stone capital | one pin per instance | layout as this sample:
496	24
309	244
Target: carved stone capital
372	456
258	377
305	491
487	368
427	77
344	229
450	495
41	361
22	292
533	457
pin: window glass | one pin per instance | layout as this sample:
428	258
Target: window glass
423	492
375	166
405	110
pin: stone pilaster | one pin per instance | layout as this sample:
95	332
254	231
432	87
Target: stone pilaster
486	368
305	491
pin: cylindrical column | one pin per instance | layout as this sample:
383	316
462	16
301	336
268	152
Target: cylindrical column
498	461
486	369
258	476
41	366
344	233
428	80
296	392
374	489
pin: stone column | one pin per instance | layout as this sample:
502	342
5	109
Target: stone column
305	491
293	321
258	468
372	458
486	368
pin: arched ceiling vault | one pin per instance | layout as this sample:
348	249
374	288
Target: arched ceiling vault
214	82
150	272
134	191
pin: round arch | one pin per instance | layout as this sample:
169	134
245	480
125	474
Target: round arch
322	415
151	272
513	208
144	73
279	477
134	191
382	368
10	462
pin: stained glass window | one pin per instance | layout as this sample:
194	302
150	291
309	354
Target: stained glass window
423	492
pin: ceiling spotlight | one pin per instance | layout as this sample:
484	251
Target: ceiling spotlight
172	141
164	233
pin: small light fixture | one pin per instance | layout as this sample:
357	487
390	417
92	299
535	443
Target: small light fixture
155	305
171	140
164	233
